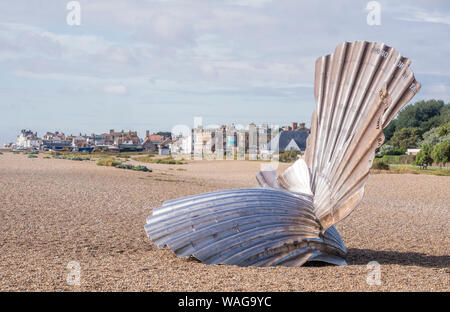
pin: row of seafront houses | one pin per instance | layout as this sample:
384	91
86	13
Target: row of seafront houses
112	141
233	142
256	141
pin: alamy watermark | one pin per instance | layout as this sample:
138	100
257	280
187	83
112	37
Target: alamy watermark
374	15
374	275
73	278
74	16
226	142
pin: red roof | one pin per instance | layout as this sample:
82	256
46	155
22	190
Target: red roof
156	137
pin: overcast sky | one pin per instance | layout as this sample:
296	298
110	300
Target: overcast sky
154	64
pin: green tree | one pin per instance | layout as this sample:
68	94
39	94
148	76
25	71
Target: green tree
406	138
435	135
444	116
424	115
431	137
441	153
446	149
423	157
164	134
444	129
390	130
388	149
289	156
418	113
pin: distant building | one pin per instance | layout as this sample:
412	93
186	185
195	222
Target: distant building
96	139
225	142
288	141
164	147
28	140
182	145
55	141
164	151
55	145
156	138
79	141
126	147
117	138
156	143
151	145
204	142
56	136
107	137
296	127
412	151
148	145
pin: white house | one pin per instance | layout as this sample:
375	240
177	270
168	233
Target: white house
287	141
27	139
412	151
292	145
77	141
181	145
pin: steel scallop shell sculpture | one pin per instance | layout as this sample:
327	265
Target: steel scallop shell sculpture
290	219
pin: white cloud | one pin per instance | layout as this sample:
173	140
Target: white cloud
120	54
31	39
413	14
116	89
69	77
250	3
439	88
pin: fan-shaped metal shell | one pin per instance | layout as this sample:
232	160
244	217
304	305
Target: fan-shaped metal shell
358	89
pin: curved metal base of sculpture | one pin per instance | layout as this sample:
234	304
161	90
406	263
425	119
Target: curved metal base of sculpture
257	226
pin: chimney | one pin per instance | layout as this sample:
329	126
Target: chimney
147	133
111	132
302	126
294	126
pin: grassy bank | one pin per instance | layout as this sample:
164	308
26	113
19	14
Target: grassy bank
399	169
101	154
110	162
166	160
